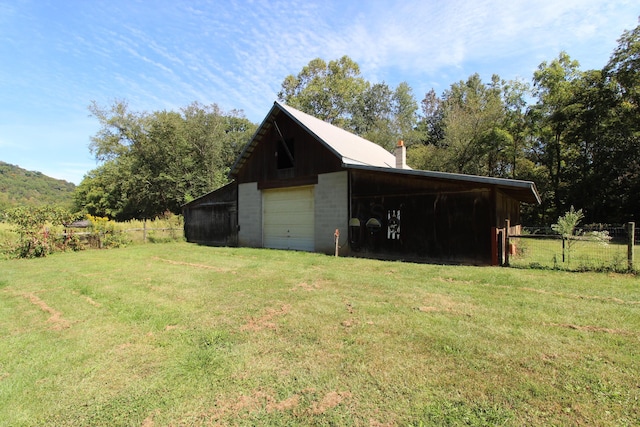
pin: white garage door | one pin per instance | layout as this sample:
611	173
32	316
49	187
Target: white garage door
288	218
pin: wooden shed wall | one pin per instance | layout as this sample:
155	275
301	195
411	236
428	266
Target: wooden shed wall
213	219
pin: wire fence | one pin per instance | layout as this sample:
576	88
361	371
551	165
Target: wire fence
98	240
592	248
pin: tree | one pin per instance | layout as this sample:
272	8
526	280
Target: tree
328	91
624	67
104	191
514	94
155	162
566	227
335	92
621	156
429	153
473	140
430	124
550	118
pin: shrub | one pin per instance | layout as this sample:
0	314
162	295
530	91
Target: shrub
104	233
37	228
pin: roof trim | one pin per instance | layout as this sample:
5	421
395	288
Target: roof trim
197	200
248	149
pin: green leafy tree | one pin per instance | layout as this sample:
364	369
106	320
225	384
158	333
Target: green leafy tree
328	91
567	223
105	191
153	163
428	153
566	227
335	92
430	125
620	155
466	127
550	118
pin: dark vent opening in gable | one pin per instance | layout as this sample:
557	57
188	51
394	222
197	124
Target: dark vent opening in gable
285	154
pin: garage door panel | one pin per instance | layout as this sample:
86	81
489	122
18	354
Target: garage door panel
288	219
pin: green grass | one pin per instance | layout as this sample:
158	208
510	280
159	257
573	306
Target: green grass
177	334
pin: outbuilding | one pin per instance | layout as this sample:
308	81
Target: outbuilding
301	181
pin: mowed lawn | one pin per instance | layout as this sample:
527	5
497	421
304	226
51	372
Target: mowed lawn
178	334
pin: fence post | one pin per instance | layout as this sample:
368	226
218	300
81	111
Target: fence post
631	240
144	231
507	245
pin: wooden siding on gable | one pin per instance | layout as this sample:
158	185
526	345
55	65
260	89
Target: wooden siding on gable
311	157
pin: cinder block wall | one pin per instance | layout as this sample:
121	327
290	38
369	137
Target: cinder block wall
331	211
250	215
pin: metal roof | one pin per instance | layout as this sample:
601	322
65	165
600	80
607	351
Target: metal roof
351	148
348	147
358	153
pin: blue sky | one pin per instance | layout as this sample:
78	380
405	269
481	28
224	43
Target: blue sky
58	56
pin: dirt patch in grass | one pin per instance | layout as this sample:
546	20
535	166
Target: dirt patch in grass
148	422
190	264
266	321
59	323
242	405
89	300
576	296
245	405
590	328
92	302
284	405
439	303
329	401
452	280
306	287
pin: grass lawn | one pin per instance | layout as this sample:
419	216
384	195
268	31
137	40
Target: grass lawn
178	334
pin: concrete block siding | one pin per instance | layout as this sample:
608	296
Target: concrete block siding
331	211
250	215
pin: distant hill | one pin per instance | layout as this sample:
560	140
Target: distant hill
22	187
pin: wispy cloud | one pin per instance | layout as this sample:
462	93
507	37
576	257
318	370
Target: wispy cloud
167	54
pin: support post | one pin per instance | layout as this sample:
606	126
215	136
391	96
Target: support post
494	246
336	237
144	231
631	233
500	246
507	244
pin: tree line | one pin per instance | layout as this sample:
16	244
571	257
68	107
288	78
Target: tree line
575	133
